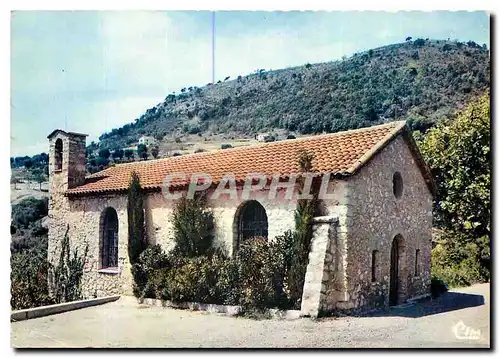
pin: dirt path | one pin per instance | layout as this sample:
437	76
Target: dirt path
445	322
23	190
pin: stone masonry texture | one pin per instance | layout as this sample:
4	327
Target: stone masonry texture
363	216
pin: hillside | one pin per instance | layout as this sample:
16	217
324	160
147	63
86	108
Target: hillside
421	81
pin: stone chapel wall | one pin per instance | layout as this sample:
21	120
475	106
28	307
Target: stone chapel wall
374	216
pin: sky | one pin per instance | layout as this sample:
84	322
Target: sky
92	71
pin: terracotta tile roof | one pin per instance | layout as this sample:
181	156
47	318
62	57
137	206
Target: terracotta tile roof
340	153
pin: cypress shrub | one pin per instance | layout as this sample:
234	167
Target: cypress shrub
299	256
136	232
137	241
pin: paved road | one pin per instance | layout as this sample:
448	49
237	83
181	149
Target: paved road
125	323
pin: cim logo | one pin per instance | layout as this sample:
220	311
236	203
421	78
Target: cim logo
463	331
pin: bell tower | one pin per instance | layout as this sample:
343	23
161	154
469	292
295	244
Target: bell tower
66	160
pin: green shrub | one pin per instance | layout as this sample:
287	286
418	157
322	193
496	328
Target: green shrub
65	277
193	224
458	265
185	282
28	276
151	259
255	278
438	287
261	274
33	238
207	279
137	242
226	288
28	211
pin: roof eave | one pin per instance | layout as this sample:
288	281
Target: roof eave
53	133
365	158
404	130
426	172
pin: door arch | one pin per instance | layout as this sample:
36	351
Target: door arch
397	287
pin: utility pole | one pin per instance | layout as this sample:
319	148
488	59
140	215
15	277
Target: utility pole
213	46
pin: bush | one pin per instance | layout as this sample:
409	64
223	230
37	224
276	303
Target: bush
65	277
194	130
193	224
28	276
255	278
261	271
190	281
207	279
151	259
28	211
457	265
419	42
438	287
225	146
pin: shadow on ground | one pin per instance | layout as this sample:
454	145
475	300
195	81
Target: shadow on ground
449	301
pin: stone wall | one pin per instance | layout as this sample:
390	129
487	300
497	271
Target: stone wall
280	217
372	216
367	213
82	218
320	293
84	214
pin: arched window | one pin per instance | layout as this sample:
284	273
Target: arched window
109	246
397	185
58	153
251	221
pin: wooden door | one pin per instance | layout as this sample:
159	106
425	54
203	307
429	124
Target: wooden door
393	288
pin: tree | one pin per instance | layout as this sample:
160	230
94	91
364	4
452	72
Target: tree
304	213
419	42
39	177
14	180
155	151
458	154
102	162
118	154
28	163
104	153
137	241
128	153
142	151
